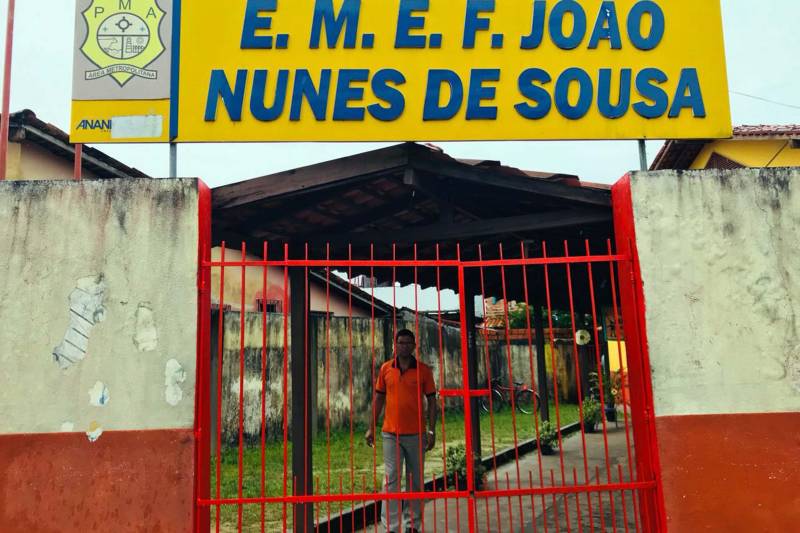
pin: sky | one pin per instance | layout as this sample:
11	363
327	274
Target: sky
762	40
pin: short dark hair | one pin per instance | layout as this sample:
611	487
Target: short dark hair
405	333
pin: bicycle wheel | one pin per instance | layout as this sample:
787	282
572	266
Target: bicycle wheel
526	401
497	402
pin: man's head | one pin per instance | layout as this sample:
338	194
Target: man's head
405	342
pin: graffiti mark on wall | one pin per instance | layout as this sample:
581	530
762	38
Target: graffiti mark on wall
146	336
99	395
86	310
174	375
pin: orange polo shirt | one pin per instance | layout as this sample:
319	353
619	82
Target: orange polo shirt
405	392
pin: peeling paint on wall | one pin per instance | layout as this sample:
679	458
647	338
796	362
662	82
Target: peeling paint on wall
94	431
146	336
99	395
86	309
174	375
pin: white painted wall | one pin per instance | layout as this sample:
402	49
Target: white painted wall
121	254
720	260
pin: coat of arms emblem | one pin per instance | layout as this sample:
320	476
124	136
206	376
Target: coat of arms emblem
123	39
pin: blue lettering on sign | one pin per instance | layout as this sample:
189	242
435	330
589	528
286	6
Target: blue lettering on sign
96	124
534	39
304	88
607	27
618	110
648	83
346	93
478	93
473	23
572	41
639	10
347	20
434	110
232	98
541	98
387	93
407	22
257	98
254	22
688	94
585	93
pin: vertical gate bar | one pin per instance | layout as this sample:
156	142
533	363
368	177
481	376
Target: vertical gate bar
556	520
264	355
600	511
536	386
466	397
624	369
317	506
302	463
372	383
472	338
555	380
598	364
240	483
578	502
512	383
442	384
622	494
578	382
285	378
510	509
308	513
220	330
328	374
419	398
201	520
533	503
394	356
489	380
350	357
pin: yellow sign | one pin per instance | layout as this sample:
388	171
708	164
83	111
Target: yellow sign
382	70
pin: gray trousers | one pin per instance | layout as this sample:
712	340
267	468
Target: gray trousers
396	451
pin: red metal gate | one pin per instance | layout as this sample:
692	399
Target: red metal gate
289	377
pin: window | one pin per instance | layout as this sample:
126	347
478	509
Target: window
272	306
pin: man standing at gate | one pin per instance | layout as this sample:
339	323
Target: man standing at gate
406	387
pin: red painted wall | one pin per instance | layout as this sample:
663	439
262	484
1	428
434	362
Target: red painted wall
125	481
731	473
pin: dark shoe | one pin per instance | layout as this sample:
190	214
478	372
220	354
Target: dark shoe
412	530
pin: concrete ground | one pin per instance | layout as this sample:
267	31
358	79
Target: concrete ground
602	512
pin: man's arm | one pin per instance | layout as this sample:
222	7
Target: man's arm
377	409
431	436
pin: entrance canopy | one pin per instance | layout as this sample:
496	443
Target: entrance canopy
387	201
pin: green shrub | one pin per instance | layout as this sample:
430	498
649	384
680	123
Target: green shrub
548	435
457	466
592	413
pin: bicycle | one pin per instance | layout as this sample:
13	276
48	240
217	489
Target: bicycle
525	399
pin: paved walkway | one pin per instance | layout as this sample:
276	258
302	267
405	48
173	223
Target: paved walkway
602	512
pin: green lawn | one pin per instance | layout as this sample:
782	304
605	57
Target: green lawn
350	469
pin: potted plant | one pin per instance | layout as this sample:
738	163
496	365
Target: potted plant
457	468
548	438
592	414
609	394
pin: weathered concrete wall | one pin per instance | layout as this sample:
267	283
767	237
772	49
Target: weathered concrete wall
99	314
331	367
720	271
720	265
